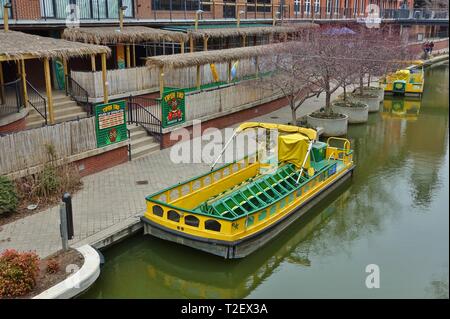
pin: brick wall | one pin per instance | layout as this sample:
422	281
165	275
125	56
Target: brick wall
26	9
16	126
102	161
230	119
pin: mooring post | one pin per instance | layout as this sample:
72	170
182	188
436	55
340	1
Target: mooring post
67	199
63	227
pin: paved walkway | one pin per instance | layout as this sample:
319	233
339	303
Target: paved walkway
112	196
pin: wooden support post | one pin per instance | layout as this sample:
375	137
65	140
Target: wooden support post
66	75
205	44
244	40
161	81
257	66
214	9
198	80
134	55
191	43
273	13
229	72
6	17
104	79
181	47
23	74
48	90
128	56
2	81
93	65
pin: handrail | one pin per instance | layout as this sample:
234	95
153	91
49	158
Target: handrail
138	114
79	94
346	142
11	100
37	101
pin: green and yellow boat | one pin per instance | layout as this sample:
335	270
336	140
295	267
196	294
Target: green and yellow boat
233	210
408	81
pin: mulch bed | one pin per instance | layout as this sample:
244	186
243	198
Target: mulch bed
45	280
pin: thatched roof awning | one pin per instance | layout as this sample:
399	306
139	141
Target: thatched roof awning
249	31
112	35
183	60
18	45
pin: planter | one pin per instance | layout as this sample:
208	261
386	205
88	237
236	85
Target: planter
356	114
374	90
371	100
330	127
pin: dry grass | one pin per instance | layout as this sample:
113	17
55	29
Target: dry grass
112	35
15	45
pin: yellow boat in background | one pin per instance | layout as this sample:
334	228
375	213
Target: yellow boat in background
409	81
237	208
400	107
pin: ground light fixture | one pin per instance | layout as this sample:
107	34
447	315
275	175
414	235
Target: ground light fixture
239	17
197	13
122	10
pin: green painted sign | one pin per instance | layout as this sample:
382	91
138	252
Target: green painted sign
110	123
173	107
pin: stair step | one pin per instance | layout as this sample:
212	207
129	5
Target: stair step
58	112
138	134
141	141
33	123
144	150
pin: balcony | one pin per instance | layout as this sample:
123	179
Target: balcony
85	9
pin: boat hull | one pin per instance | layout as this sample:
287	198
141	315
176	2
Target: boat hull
243	247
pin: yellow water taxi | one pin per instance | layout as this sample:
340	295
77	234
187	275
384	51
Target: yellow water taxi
233	210
401	107
409	81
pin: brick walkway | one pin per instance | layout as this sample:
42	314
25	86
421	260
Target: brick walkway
112	196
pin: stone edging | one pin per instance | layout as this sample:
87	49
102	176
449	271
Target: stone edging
78	282
14	117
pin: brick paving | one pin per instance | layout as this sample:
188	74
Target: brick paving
111	196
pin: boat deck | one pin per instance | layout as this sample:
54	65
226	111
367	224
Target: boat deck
260	190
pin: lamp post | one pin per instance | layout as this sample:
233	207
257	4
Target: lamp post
6	8
122	9
197	13
239	16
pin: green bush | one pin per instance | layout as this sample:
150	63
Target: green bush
49	181
8	196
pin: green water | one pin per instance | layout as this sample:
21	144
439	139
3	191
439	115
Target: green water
394	213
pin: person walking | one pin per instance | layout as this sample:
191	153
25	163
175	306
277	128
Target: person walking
431	47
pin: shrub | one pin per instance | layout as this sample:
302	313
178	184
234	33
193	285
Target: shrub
8	196
49	181
18	272
52	266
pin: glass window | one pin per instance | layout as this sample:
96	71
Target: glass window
173	216
249	221
262	215
212	224
307	6
316	6
158	211
180	5
191	221
263	5
329	6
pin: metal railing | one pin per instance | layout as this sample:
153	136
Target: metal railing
222	9
11	100
37	101
141	114
85	9
78	94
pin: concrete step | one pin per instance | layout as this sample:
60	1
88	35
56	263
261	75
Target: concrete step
144	150
70	109
141	141
38	122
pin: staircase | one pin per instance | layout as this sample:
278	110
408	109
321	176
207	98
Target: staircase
141	143
64	108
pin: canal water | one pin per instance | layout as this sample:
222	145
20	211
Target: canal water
394	213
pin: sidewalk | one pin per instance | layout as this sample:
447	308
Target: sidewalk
112	196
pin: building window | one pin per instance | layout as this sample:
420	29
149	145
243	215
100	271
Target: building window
307	6
180	5
336	6
173	216
316	6
297	6
329	6
157	210
212	224
191	221
263	5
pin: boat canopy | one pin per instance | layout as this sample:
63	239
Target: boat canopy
293	148
310	133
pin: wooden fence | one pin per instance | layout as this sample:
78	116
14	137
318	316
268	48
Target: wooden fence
225	99
120	81
25	149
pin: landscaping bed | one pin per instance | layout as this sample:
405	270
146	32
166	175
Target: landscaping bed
24	275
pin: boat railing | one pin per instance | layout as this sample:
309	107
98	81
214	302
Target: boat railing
343	153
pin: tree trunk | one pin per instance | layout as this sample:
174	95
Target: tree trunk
294	114
328	102
368	80
361	83
345	91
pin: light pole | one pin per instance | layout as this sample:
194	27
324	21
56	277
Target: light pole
6	8
239	17
197	13
122	9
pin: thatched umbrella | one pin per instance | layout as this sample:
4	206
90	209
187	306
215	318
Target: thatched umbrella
113	35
